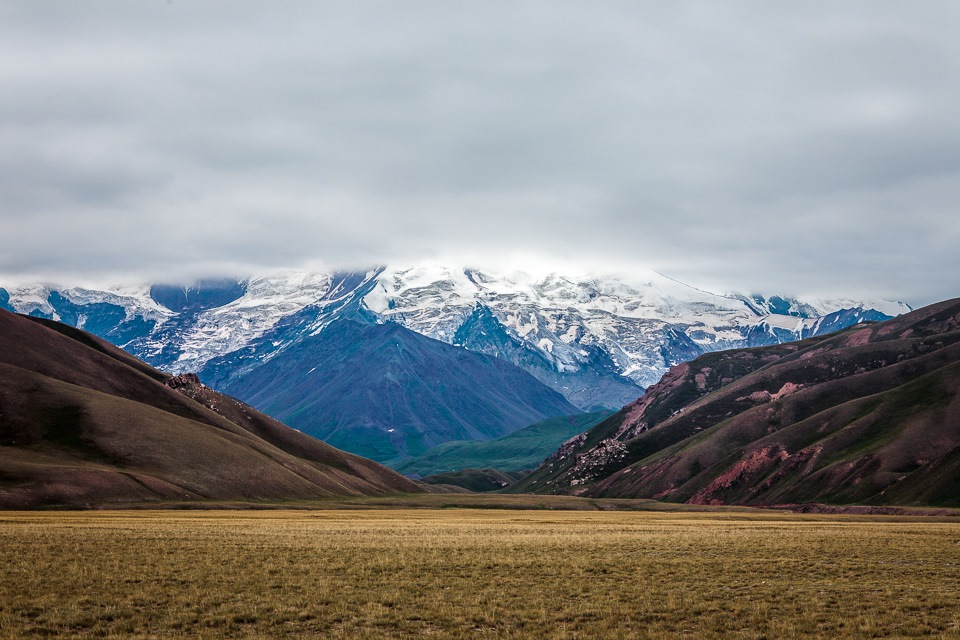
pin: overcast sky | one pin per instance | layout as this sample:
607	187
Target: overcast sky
794	147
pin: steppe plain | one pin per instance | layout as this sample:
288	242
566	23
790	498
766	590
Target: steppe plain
477	573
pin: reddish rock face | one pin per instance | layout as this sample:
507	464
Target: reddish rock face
671	379
744	471
786	389
858	338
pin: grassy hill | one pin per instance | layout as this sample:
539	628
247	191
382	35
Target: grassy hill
523	449
83	423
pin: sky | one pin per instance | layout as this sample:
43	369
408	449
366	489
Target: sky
804	148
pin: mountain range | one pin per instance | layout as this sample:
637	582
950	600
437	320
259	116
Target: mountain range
596	339
84	423
326	353
868	415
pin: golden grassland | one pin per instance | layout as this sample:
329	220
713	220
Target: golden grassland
476	574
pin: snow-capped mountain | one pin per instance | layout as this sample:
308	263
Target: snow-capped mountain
598	340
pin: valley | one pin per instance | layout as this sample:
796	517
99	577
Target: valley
480	320
210	519
523	449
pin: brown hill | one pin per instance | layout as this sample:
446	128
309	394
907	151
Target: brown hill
83	423
870	415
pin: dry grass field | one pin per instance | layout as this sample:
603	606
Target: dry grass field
476	574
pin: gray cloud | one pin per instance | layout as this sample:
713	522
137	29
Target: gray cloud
790	147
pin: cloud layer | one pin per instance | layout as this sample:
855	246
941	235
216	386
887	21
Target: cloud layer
795	147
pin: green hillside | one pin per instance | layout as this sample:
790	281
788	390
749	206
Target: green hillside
476	480
523	449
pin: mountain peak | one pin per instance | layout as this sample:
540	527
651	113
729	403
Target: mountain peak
386	392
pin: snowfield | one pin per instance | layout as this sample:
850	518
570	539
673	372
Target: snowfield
639	323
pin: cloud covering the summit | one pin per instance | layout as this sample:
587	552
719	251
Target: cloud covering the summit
802	148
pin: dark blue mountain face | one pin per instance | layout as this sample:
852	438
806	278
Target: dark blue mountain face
385	392
763	335
205	294
220	371
108	321
677	347
595	386
291	330
847	318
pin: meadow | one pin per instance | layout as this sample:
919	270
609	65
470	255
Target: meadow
480	573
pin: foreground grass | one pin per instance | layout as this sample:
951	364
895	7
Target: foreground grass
476	574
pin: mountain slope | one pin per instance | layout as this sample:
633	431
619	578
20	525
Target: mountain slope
83	423
386	392
595	384
870	415
522	449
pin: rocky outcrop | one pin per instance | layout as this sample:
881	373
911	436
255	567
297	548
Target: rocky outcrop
586	465
183	381
189	385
